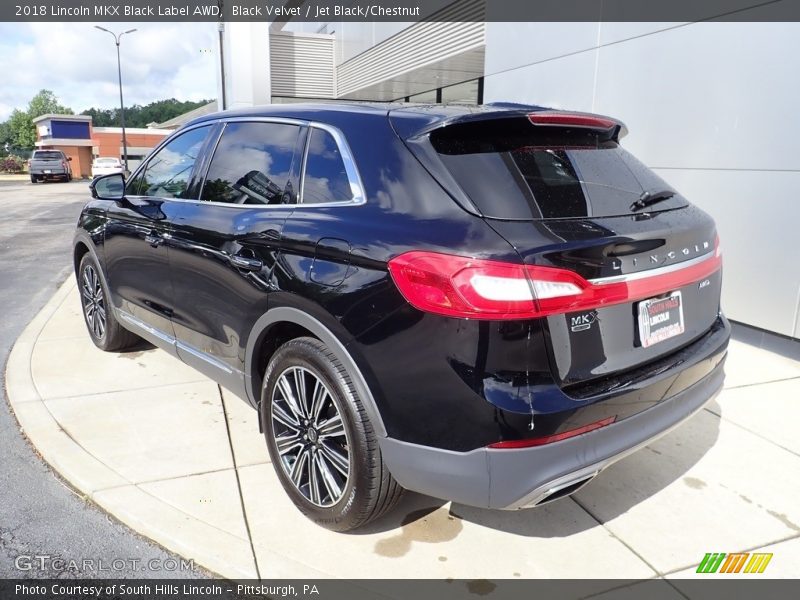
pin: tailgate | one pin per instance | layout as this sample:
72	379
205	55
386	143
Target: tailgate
46	163
623	269
667	247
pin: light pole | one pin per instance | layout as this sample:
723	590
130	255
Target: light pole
117	38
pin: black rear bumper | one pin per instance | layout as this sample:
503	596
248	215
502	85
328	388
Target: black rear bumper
517	478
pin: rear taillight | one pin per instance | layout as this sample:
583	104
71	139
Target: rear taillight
559	119
556	437
457	286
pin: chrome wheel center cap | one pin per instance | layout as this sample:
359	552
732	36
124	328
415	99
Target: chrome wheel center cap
313	436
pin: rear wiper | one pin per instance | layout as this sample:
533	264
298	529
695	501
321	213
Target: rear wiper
650	198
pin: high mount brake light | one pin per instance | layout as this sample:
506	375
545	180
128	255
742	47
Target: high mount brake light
571	120
472	288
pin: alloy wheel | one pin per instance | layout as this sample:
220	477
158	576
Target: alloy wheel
94	305
310	436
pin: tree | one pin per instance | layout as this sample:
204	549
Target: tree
100	117
45	102
20	128
5	139
142	116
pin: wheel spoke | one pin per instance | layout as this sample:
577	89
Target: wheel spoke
87	281
300	386
333	427
95	283
328	479
284	418
289	397
337	460
298	467
318	400
313	483
285	443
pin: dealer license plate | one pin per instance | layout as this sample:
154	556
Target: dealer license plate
660	319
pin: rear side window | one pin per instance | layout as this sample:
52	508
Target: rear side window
325	178
251	164
511	169
168	173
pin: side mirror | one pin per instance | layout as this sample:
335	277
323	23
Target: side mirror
69	158
108	187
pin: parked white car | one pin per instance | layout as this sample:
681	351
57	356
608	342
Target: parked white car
106	166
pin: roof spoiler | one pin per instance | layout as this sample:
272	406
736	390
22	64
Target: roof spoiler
411	124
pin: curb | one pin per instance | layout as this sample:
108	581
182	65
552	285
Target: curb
169	527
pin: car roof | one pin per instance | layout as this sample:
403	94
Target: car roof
415	116
297	111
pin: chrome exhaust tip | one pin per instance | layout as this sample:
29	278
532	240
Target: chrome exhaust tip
560	489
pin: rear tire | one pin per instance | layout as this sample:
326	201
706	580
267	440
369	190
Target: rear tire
34	179
98	314
329	461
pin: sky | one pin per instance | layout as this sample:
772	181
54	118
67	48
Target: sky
79	63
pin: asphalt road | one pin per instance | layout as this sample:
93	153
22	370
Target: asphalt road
40	515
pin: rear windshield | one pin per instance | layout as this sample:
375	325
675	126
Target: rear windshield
106	161
511	169
45	154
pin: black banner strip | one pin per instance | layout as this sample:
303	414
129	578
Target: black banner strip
709	587
400	10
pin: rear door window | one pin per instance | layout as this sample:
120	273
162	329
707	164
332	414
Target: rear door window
510	171
252	164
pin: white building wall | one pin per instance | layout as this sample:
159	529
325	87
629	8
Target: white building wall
247	72
712	107
353	37
302	65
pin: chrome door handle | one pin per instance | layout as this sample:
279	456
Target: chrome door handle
243	262
154	239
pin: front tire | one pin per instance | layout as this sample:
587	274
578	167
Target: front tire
322	444
98	314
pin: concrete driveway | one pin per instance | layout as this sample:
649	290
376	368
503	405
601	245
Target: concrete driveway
170	454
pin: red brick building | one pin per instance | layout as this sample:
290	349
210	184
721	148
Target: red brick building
78	139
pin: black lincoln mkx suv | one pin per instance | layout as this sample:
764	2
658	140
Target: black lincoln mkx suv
485	304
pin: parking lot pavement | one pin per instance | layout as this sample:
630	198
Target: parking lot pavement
164	450
40	516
